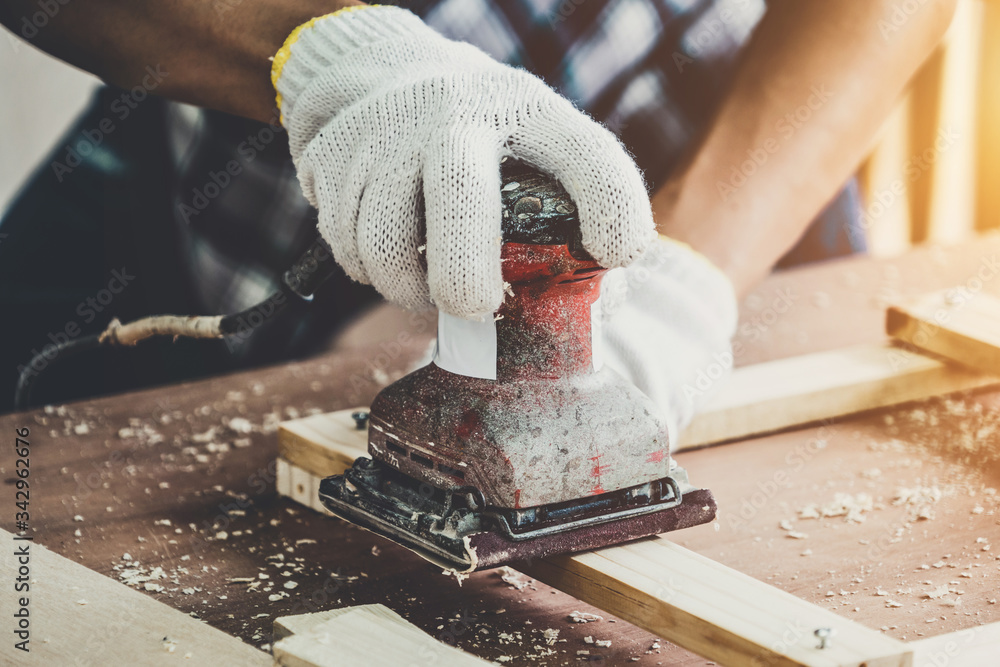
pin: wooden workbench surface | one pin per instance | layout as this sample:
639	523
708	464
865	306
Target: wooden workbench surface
181	478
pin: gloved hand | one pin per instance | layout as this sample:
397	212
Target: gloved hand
389	123
667	321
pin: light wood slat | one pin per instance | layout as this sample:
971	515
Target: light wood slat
286	626
886	219
362	636
713	610
974	647
966	330
707	607
948	151
987	135
298	442
757	399
776	395
686	598
80	617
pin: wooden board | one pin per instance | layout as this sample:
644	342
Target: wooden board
361	637
776	395
700	605
713	610
286	626
956	324
757	399
836	304
299	442
81	617
974	647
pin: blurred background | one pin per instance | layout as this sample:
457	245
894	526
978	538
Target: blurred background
942	143
940	149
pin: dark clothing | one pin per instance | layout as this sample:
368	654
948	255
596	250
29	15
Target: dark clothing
201	213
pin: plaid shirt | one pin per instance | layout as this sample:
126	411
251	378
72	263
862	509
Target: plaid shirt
651	70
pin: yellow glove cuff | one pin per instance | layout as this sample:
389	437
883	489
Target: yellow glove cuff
285	52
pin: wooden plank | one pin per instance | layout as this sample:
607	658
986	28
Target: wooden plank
886	219
757	399
361	637
706	607
947	152
286	626
952	323
713	610
79	617
987	135
679	595
974	647
780	394
297	442
925	109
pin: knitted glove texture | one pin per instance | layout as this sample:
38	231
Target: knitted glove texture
667	323
391	124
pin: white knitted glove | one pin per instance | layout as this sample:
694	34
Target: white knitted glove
385	118
667	324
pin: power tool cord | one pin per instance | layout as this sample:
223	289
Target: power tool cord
300	280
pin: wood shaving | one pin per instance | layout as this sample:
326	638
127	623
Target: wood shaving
851	507
940	591
241	425
459	577
584	617
513	578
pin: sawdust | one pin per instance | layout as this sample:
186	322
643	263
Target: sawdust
852	507
584	617
959	430
513	578
601	643
459	576
952	448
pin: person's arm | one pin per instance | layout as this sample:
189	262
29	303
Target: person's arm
215	53
817	81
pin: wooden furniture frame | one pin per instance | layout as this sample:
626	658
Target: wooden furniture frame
701	605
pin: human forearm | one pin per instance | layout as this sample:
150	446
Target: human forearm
215	53
847	69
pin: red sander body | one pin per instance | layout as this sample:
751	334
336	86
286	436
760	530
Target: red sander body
556	454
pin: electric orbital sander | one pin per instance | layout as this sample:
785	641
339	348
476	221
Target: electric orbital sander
547	452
